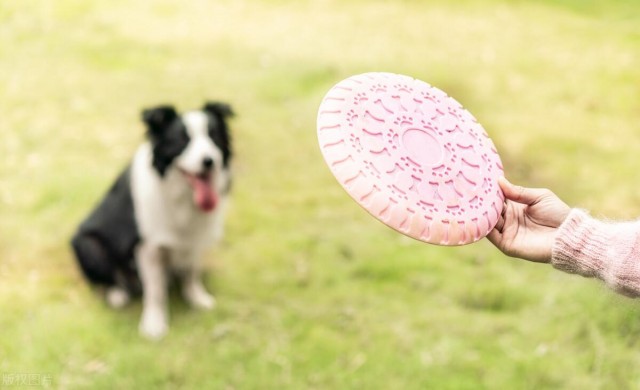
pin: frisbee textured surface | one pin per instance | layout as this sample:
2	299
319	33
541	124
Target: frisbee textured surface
412	156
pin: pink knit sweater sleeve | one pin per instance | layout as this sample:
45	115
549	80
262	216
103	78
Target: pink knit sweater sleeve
604	250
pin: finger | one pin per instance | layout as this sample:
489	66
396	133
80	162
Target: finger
501	218
500	224
495	237
520	194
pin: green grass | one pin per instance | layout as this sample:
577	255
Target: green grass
314	293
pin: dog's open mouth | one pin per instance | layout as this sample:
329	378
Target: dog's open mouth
204	195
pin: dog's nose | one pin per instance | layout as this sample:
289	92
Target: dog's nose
207	163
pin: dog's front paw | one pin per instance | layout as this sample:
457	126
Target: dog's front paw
117	297
153	325
201	299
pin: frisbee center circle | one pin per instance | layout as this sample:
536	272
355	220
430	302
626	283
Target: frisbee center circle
423	148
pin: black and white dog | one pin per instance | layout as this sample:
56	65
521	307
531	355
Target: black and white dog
161	214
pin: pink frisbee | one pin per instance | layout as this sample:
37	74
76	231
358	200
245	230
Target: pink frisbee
412	156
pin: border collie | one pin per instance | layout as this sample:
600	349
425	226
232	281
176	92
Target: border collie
161	214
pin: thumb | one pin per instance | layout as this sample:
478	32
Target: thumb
520	194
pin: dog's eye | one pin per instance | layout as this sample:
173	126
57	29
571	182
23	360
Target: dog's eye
215	134
184	136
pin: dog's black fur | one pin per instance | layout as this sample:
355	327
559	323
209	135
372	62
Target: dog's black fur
105	241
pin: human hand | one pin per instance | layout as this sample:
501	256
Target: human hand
529	222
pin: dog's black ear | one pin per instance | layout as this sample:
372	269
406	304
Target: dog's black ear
222	110
159	117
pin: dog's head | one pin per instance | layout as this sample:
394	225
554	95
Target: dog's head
196	143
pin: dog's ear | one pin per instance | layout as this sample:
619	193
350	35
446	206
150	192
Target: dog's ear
159	117
222	110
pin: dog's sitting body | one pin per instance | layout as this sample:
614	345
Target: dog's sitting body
161	214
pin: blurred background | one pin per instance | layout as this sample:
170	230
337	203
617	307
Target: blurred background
312	292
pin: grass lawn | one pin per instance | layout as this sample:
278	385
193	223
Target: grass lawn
312	292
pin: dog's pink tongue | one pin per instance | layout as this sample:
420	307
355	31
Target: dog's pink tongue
203	194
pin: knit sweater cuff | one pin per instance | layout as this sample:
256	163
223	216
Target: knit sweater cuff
593	248
580	245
